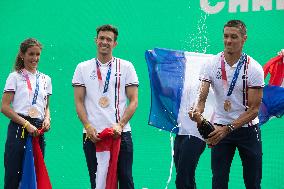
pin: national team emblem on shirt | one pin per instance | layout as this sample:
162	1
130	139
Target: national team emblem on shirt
219	75
93	75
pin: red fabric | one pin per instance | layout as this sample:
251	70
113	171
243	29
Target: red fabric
108	143
275	67
43	181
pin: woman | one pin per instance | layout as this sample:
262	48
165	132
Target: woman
27	90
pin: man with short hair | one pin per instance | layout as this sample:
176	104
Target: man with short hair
102	87
237	81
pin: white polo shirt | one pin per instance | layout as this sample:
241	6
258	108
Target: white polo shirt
238	98
22	101
122	75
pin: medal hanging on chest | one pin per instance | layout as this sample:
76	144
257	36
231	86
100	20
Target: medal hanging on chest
227	105
33	112
227	102
103	100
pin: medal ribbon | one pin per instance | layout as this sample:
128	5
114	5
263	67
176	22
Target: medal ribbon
100	76
242	60
26	76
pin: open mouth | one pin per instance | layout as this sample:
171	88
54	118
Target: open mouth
34	63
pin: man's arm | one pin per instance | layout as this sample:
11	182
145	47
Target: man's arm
196	111
79	95
254	101
132	95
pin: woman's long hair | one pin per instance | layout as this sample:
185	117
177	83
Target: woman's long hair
25	45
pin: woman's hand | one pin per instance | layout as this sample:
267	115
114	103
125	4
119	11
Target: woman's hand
32	129
46	124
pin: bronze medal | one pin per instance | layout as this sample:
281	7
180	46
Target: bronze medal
33	112
104	102
227	105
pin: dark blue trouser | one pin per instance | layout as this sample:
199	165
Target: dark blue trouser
187	151
15	151
125	161
248	142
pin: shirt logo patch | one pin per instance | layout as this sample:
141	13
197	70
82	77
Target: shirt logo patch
219	75
93	75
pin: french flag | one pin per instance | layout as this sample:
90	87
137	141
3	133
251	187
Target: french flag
273	93
172	74
35	175
107	151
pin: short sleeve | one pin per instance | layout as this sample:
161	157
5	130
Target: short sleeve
11	83
78	77
131	76
205	72
256	77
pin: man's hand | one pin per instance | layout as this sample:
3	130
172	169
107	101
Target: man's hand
195	115
281	52
117	129
217	135
92	134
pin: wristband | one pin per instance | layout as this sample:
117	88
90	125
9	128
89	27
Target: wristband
231	127
24	126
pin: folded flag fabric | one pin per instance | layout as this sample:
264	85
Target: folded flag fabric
28	176
273	94
172	75
35	175
107	151
272	103
42	177
275	67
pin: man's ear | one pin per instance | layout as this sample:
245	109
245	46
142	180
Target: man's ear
115	43
245	38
